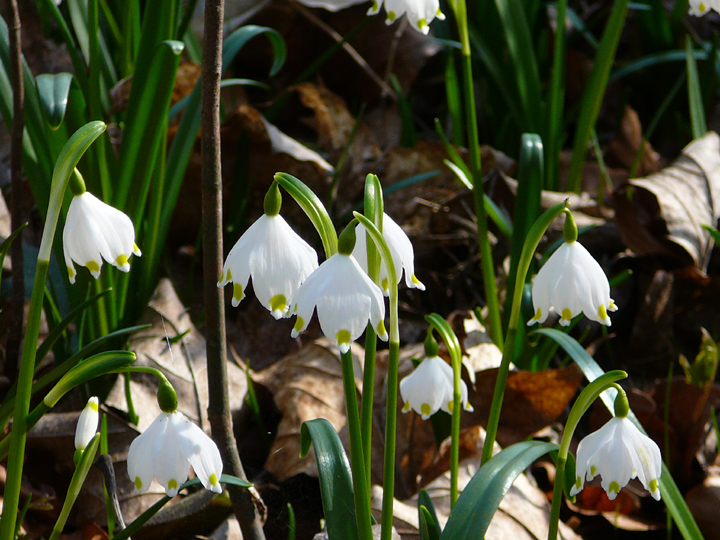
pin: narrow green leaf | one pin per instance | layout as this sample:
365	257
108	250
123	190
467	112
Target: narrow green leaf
429	525
54	91
670	494
5	245
336	485
408	137
595	91
480	499
697	109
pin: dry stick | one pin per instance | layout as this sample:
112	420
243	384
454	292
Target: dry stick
244	503
18	291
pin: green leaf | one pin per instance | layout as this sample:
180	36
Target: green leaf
480	499
336	485
429	524
697	110
670	494
592	100
54	91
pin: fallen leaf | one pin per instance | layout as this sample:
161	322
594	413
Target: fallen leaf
621	151
664	213
704	501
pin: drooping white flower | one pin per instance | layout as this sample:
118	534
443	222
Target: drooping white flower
401	250
346	299
95	231
618	452
420	13
698	8
87	424
430	388
167	449
277	259
331	5
571	282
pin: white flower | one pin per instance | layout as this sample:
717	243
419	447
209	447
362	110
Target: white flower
618	452
167	449
401	250
346	299
331	5
87	424
95	231
277	259
430	388
571	282
698	8
420	13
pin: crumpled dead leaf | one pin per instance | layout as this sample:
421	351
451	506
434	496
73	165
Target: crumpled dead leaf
305	385
664	213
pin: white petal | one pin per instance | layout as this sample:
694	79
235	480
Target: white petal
142	453
427	388
586	455
171	466
200	451
646	457
331	5
87	424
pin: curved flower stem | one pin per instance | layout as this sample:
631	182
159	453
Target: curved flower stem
453	346
531	242
361	490
591	392
67	160
392	379
486	260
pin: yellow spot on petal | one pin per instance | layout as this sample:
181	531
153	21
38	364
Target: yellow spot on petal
93	405
602	313
278	302
375	7
566	314
385	284
93	266
415	280
425	409
613	306
653	485
299	324
238	293
213	479
172	484
578	482
136	249
138	483
391	16
121	260
451	405
71	272
228	277
343	337
537	317
406	407
614	487
422	23
702	7
593	470
381	328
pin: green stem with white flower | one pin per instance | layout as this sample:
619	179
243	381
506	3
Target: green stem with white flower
453	346
67	160
586	398
486	260
392	379
374	209
531	243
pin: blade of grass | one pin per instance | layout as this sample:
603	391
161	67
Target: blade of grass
697	110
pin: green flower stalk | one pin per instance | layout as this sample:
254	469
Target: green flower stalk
67	160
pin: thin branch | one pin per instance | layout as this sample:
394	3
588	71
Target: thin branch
245	502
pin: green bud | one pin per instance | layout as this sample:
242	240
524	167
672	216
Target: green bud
346	241
273	200
569	228
166	396
77	183
621	405
431	345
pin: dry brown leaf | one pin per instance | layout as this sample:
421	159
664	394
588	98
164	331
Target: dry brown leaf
704	501
624	147
305	385
663	214
532	400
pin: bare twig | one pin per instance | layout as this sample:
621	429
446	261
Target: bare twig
18	291
245	502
